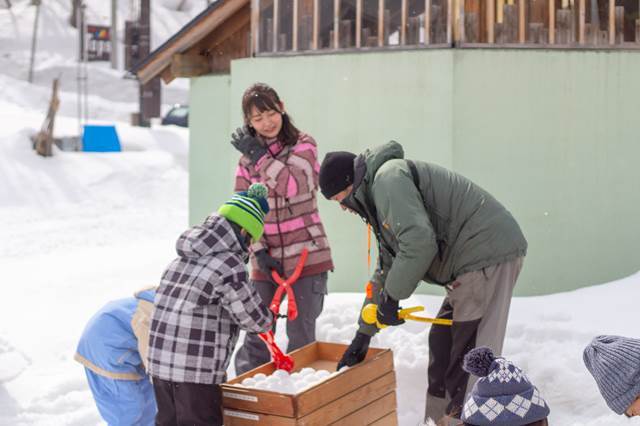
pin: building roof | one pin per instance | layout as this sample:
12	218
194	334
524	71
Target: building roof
192	33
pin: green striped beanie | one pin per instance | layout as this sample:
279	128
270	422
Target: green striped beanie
248	209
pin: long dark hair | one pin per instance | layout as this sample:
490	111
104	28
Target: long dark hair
263	97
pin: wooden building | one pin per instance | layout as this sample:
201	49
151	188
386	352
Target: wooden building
535	100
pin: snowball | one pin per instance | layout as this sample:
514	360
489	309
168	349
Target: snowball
321	374
249	382
283	382
306	371
280	374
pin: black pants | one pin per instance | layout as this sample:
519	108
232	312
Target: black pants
478	302
187	404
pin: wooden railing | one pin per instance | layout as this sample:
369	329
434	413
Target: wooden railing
565	23
296	26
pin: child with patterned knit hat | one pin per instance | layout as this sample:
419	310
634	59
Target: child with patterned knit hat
203	301
503	395
614	363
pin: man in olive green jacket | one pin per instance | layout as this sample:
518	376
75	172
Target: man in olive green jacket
433	225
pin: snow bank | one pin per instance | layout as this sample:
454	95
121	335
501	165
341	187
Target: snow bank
545	337
12	362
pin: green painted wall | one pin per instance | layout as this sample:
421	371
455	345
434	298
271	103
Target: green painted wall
554	135
550	134
210	155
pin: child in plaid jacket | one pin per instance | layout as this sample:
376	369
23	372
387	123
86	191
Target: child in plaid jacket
203	301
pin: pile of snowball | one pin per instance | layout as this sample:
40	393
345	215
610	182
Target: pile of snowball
283	382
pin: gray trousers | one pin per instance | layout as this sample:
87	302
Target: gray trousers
478	302
309	292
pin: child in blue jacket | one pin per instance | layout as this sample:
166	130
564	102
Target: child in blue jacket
113	350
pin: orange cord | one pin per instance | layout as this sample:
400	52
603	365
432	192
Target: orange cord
368	249
369	286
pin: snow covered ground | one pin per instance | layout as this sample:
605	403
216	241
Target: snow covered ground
81	229
78	230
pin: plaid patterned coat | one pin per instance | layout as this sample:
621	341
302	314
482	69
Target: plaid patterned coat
204	298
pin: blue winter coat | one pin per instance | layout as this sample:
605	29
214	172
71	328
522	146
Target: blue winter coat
114	338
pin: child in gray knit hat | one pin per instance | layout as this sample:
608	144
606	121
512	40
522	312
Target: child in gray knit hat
614	362
503	395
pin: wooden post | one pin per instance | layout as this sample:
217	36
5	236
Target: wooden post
255	25
521	21
491	19
612	22
358	23
449	22
427	22
294	29
381	40
43	140
458	21
336	24
316	24
404	10
552	22
500	12
619	18
563	18
510	23
582	13
276	12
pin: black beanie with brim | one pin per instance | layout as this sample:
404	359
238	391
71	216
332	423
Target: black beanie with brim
336	172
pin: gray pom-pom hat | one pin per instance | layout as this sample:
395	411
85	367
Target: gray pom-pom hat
503	395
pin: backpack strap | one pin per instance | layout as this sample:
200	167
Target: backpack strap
416	179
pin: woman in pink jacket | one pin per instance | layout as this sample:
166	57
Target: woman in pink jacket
277	154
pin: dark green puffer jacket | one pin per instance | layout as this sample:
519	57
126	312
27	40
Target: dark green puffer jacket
459	228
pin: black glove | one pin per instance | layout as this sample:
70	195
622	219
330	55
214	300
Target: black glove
248	145
388	310
266	263
356	351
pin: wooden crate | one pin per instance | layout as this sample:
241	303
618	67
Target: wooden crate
362	395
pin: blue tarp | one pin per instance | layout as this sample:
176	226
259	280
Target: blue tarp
100	139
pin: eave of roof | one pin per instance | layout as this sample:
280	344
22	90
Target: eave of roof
173	45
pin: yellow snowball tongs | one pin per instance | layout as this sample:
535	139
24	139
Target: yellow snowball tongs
369	316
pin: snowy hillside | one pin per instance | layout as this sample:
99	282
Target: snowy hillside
111	96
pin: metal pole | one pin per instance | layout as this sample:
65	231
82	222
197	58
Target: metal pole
83	77
114	34
79	72
85	71
34	38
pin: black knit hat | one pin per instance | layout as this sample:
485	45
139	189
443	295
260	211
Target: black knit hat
336	172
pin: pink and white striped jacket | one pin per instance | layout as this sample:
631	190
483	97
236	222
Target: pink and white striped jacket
291	174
